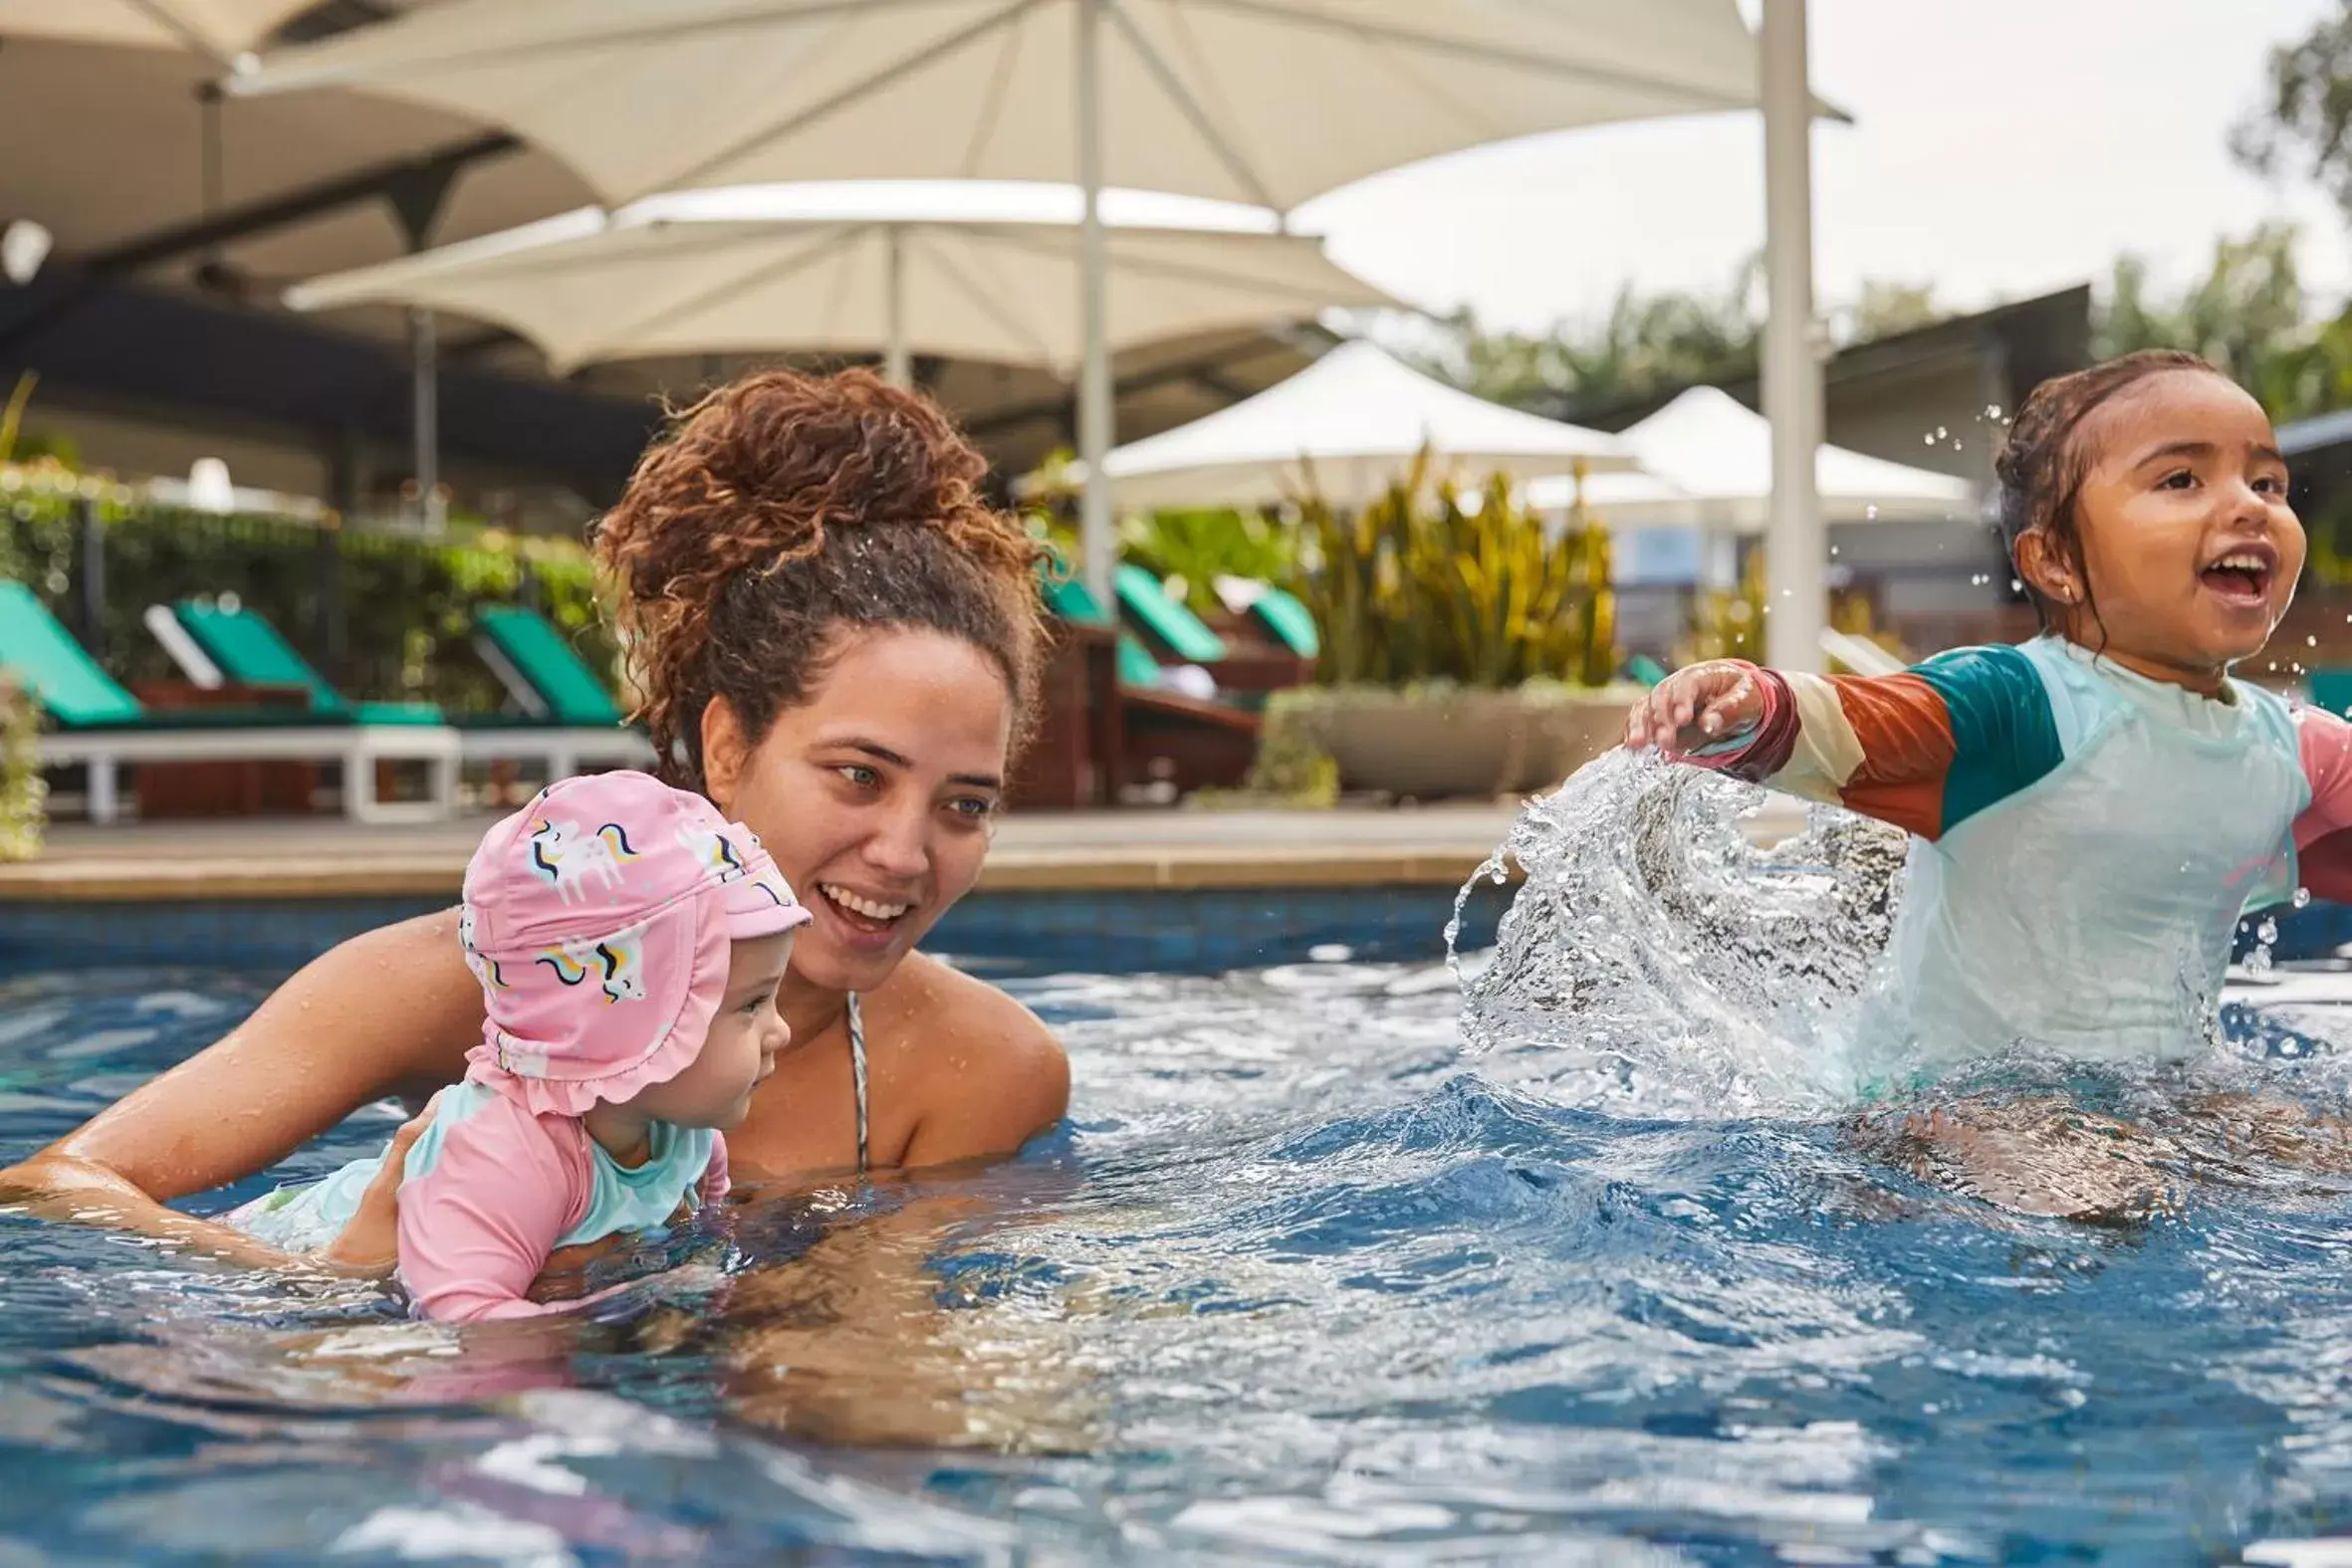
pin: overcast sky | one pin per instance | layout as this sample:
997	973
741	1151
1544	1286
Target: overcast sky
1999	149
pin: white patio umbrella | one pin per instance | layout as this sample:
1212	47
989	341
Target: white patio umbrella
1344	426
1707	462
221	29
1260	101
970	271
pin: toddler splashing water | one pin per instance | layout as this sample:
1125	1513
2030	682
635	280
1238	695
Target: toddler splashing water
2091	813
630	942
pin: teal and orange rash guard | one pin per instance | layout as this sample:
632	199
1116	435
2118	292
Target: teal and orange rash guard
2084	839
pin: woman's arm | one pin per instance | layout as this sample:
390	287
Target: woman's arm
1923	750
393	1007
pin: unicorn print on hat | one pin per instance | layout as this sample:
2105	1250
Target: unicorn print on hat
485	968
710	847
568	860
617	962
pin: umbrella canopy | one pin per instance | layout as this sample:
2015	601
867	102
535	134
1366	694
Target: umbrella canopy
1343	427
1267	101
979	273
223	29
1707	462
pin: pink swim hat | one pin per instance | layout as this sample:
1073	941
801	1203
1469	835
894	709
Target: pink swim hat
598	920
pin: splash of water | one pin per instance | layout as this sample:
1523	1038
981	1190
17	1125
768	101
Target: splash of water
1658	961
1656	958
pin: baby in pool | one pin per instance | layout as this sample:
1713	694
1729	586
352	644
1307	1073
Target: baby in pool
630	942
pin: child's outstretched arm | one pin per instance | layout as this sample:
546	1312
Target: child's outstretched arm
476	1229
1923	750
2323	833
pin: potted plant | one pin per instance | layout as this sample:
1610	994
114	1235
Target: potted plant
1467	649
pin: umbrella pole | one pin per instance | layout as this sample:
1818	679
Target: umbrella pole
898	367
1094	413
423	345
1796	548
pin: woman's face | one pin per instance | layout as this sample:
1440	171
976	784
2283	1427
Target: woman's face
876	796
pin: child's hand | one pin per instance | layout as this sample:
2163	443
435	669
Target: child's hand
370	1245
1696	706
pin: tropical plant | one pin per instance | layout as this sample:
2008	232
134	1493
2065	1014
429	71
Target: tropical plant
1432	581
1728	623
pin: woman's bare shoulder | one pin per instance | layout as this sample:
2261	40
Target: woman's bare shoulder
990	1075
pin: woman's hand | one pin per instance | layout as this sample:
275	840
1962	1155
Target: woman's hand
1696	706
370	1245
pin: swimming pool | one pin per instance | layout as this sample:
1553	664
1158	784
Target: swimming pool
1298	1282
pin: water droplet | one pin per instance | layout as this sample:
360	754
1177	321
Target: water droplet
1833	552
1871	513
1927	440
1942	433
2268	932
1993	411
2302	898
2311	641
2017	587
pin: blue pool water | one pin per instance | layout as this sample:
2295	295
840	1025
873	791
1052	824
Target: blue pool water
1300	1281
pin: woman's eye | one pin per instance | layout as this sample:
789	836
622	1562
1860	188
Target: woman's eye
2271	485
972	808
859	774
2180	481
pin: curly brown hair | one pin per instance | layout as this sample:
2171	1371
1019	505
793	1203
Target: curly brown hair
2041	467
784	511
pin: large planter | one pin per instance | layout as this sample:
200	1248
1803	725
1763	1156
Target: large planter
1440	743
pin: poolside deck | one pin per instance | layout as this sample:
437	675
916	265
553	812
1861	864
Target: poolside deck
327	858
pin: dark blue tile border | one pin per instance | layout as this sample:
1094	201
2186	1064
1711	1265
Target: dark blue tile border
1192	931
1197	931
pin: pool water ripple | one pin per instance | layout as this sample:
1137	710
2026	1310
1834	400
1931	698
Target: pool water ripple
1298	1282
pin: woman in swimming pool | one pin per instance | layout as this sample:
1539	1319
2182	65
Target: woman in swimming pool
837	643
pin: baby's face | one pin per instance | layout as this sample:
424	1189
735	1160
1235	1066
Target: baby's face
740	1051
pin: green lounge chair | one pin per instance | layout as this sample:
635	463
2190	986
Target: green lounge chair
1161	731
1073	602
1183	637
247	649
572	718
1286	620
580	724
98	724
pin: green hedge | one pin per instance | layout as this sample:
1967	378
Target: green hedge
23	794
406	603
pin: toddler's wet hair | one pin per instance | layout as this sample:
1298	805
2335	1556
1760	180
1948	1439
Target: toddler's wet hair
2042	465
